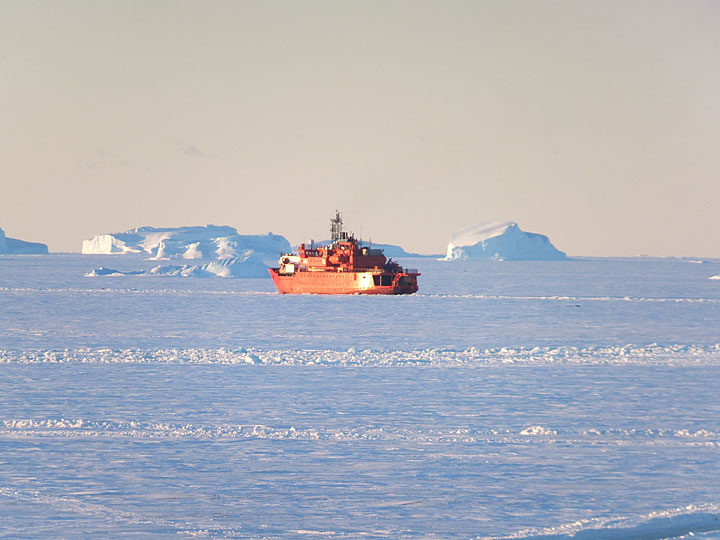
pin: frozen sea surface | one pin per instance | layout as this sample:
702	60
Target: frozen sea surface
543	400
50	304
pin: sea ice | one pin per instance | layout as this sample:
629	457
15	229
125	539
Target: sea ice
559	400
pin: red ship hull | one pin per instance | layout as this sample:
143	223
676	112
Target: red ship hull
343	267
346	282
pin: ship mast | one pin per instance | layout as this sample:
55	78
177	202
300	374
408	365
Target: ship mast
336	227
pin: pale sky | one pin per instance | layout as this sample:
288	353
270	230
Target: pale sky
596	123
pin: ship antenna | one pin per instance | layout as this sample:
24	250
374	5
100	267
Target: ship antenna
336	226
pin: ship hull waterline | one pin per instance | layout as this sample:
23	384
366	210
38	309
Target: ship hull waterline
357	282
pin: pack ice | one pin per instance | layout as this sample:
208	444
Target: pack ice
500	240
14	246
208	242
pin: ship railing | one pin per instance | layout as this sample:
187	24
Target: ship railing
376	270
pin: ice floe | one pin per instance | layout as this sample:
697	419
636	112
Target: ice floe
537	430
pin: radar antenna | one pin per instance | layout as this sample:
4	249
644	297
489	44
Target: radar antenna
336	227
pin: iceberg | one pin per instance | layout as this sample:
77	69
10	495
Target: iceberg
13	246
500	240
208	242
246	266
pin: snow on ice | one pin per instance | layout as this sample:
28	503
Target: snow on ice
208	242
500	240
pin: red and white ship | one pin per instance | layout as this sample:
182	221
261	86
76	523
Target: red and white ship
343	267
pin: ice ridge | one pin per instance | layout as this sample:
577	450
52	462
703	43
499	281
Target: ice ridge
653	354
136	429
662	525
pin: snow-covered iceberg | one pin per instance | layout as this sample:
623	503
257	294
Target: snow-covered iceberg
500	240
13	246
247	266
208	242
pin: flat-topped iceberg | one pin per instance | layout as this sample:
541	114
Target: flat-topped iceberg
500	240
247	266
208	242
13	246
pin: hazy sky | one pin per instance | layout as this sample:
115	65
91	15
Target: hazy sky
594	122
